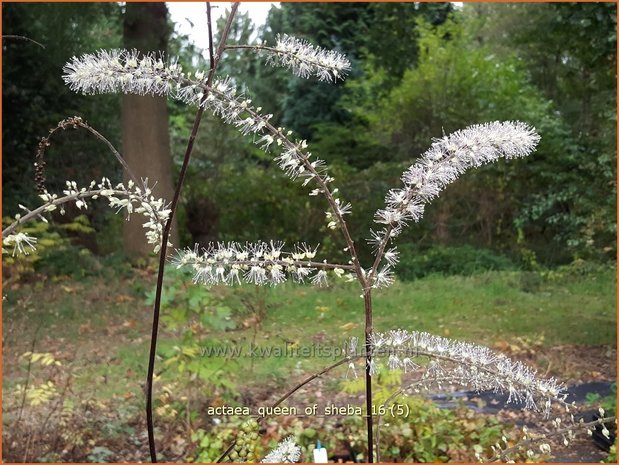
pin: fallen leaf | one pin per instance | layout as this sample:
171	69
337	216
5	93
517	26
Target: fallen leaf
129	323
121	298
85	328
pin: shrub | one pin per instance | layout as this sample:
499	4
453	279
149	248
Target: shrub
446	260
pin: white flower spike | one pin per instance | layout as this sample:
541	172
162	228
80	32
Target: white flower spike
305	59
286	451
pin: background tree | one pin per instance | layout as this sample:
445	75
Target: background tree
569	50
145	125
35	98
550	64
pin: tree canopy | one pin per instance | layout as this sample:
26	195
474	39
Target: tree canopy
419	70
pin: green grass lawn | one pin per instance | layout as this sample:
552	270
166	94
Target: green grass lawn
484	309
102	328
98	327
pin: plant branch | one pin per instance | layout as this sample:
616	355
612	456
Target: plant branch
310	379
361	277
290	392
56	202
278	133
73	122
168	227
367	300
504	454
17	37
283	263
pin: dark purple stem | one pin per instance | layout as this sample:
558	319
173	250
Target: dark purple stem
168	227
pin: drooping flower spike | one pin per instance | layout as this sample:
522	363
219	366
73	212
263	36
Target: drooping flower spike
305	59
442	164
464	364
446	160
129	72
302	58
257	263
129	199
286	451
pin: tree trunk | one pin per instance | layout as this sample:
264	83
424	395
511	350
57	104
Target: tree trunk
145	132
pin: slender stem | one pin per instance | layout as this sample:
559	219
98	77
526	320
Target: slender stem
283	263
504	454
118	156
290	392
367	298
310	379
168	227
16	37
252	47
74	122
209	24
380	252
59	201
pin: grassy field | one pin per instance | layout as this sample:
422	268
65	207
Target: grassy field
100	328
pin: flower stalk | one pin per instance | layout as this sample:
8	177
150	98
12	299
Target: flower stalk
266	263
166	231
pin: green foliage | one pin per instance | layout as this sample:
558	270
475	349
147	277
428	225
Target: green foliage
34	91
439	435
185	300
428	433
209	447
464	260
550	197
551	65
569	50
612	456
456	83
192	312
392	35
100	454
608	403
361	30
56	253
